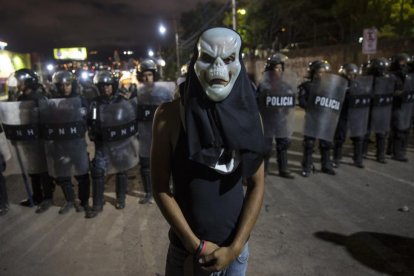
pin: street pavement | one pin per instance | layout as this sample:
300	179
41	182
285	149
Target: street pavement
358	222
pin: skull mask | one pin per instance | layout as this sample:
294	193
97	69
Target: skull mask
217	66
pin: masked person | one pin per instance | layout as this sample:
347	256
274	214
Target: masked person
321	97
381	105
402	107
209	140
354	114
150	95
21	124
112	127
64	126
276	100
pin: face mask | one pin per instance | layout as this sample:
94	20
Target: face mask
218	66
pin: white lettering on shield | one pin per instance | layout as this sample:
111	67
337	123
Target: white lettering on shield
279	101
326	102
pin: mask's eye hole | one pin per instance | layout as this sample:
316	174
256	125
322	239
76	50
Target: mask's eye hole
230	58
207	58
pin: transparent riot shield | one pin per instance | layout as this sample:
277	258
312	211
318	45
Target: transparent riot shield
63	127
20	123
149	98
403	114
381	104
359	98
324	105
118	128
4	145
277	103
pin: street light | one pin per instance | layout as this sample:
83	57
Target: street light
151	53
162	30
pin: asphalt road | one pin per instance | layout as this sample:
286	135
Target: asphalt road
359	222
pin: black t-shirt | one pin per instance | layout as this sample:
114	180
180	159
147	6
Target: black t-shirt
211	202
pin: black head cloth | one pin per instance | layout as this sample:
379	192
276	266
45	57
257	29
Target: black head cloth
231	124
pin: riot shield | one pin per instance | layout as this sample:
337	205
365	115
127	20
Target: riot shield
4	145
277	103
403	114
324	105
359	98
20	123
149	98
63	127
118	127
381	105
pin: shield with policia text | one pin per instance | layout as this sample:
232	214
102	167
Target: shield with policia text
277	103
63	128
359	101
406	100
381	104
118	128
149	98
20	122
324	105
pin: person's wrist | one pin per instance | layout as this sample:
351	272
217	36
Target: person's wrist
200	249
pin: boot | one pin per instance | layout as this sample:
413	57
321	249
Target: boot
364	148
358	159
84	191
381	149
69	194
326	162
98	185
399	148
121	189
283	164
337	155
146	180
37	191
307	162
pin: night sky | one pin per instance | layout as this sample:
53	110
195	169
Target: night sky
40	26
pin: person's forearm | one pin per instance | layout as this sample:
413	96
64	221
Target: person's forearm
172	213
251	209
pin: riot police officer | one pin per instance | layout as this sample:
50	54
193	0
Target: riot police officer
380	109
71	148
315	69
150	95
42	184
276	100
354	114
402	108
110	133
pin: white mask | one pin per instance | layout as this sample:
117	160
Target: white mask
218	65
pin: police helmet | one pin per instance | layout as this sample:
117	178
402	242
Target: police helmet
28	77
103	77
147	65
348	69
274	60
399	61
317	65
62	77
377	66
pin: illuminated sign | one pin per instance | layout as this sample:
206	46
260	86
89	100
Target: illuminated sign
79	53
